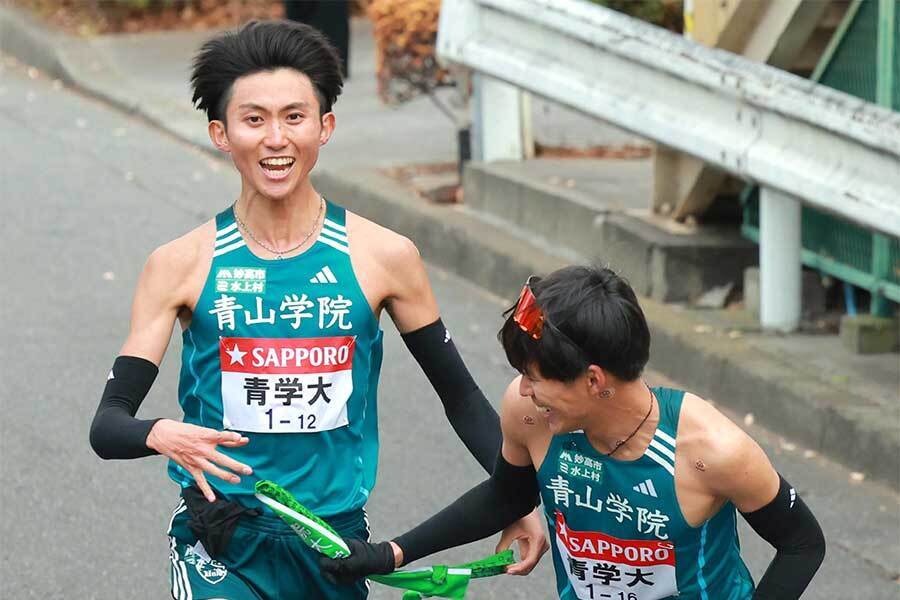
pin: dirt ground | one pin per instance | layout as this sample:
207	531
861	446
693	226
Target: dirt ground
94	17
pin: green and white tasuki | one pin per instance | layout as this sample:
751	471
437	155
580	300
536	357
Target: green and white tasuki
438	581
441	581
316	533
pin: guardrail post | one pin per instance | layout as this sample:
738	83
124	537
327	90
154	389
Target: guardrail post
884	92
779	260
499	123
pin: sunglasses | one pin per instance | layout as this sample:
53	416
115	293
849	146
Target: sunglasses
530	318
528	314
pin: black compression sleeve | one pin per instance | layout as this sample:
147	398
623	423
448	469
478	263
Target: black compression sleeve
115	432
471	415
791	528
508	495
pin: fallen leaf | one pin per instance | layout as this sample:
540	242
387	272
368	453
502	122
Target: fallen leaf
703	329
856	476
109	276
33	73
809	454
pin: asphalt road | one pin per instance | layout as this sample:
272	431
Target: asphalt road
87	193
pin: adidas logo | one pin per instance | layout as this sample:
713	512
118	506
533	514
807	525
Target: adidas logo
324	276
793	497
646	488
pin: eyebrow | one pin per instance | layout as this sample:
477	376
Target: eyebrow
291	106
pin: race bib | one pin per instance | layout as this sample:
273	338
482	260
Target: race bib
286	385
602	567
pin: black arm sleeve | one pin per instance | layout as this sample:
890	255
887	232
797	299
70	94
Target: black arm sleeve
508	495
791	528
471	415
115	433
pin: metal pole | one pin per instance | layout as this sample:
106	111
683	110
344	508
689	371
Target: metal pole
779	260
497	124
884	84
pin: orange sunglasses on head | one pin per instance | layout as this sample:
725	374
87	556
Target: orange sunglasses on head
528	314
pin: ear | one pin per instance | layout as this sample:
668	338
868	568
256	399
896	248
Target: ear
219	136
328	123
596	380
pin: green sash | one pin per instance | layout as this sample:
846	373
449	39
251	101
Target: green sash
438	581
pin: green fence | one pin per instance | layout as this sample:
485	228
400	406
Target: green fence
862	60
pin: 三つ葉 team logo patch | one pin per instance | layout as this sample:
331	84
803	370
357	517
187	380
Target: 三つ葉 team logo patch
286	385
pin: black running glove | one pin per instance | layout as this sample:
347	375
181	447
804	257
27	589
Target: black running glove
365	559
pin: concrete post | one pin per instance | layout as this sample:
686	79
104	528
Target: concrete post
498	132
779	260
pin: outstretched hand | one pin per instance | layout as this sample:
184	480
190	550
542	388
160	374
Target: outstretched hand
365	559
194	448
532	542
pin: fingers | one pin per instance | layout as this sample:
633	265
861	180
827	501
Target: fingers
230	439
334	570
218	472
530	552
325	569
230	463
200	480
506	540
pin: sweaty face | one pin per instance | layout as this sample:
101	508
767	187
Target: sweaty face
564	405
274	130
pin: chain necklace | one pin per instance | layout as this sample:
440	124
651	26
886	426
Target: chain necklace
279	254
621	443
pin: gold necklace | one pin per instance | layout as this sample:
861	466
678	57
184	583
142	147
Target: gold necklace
279	254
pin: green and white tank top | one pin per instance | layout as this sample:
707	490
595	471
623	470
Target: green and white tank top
287	352
618	531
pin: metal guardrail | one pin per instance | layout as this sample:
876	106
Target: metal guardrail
853	64
802	142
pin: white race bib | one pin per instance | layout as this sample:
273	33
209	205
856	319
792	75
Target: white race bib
286	385
602	567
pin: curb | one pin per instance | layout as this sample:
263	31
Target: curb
833	422
30	43
79	64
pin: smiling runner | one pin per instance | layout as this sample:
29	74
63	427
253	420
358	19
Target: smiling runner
279	299
641	486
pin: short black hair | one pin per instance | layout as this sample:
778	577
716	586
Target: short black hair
264	46
591	316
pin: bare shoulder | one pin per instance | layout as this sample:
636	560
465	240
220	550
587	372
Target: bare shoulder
177	264
734	466
519	417
703	430
389	249
391	273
